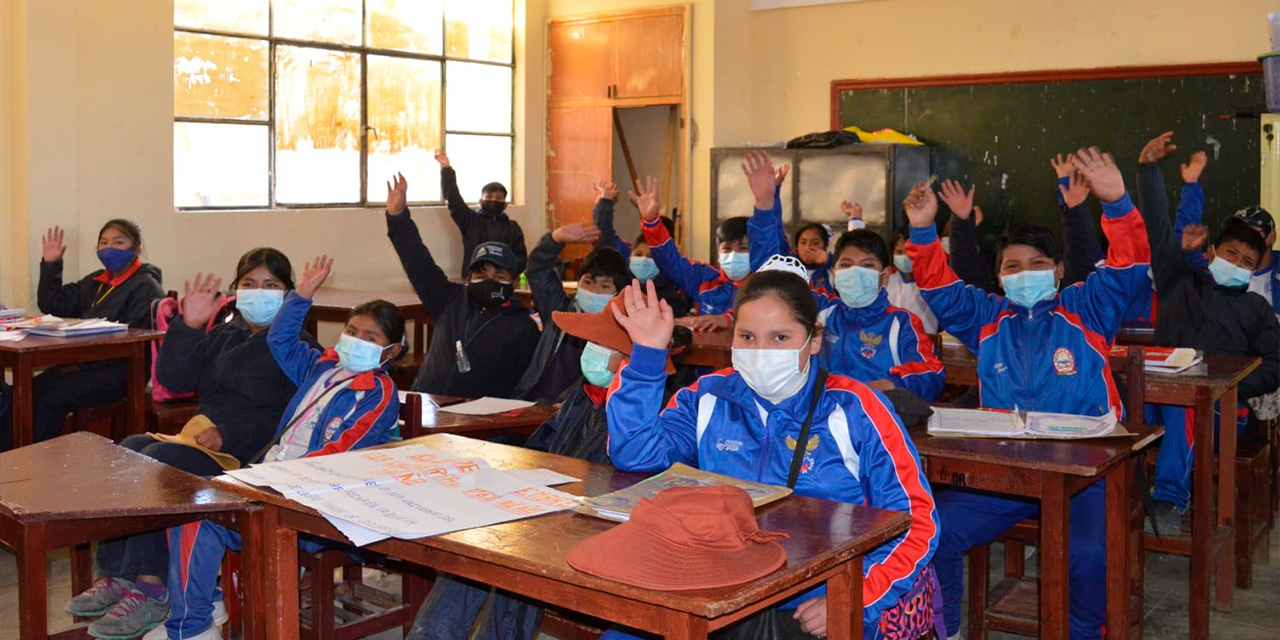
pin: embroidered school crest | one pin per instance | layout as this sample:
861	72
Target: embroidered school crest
870	342
807	462
1064	362
332	428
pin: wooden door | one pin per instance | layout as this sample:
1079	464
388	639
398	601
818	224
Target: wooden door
579	154
581	61
650	57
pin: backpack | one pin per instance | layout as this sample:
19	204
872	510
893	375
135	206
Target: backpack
823	140
163	311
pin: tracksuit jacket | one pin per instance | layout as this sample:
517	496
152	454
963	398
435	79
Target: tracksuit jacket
879	341
362	415
767	237
708	286
602	217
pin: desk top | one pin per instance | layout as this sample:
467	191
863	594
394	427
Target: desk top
46	343
463	424
331	298
1087	458
83	475
823	534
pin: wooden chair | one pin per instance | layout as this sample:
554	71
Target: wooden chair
1254	506
350	608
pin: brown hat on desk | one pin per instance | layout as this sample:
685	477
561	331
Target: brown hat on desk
684	538
601	328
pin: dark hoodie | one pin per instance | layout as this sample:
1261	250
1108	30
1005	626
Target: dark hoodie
125	297
478	227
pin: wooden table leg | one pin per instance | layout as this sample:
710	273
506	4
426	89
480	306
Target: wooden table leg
81	569
1055	532
1201	516
1224	587
844	601
135	403
33	623
419	338
23	404
1119	481
677	625
275	567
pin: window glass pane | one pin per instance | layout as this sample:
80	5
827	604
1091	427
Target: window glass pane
404	109
219	76
478	97
405	25
239	16
319	20
478	29
317	126
480	160
219	165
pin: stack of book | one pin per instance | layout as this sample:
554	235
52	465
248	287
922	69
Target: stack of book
56	327
1166	360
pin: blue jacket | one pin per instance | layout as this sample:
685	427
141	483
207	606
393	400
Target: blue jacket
1054	356
767	237
858	452
706	285
864	345
362	415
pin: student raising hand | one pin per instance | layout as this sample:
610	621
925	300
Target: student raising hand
1194	236
645	198
606	190
1157	148
1100	171
780	174
958	200
442	158
200	301
314	275
576	232
51	245
761	177
921	205
1191	171
648	320
1075	191
1062	165
397	191
851	209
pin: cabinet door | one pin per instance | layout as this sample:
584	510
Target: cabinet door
579	153
581	61
650	55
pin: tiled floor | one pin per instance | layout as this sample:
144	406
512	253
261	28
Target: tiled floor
1166	584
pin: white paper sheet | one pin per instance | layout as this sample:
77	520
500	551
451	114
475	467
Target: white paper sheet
486	406
974	421
12	336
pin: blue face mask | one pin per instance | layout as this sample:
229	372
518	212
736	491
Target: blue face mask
903	262
736	264
356	355
644	268
595	364
592	302
259	306
1026	288
858	286
1229	275
116	260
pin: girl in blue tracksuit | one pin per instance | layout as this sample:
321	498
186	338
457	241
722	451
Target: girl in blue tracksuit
745	421
345	401
1038	350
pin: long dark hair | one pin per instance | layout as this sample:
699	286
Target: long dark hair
793	290
275	262
387	316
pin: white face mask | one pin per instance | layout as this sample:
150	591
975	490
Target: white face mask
773	373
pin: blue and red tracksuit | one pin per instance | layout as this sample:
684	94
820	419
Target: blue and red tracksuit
361	415
767	237
1052	357
880	341
708	286
858	452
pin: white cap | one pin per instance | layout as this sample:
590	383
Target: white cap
790	264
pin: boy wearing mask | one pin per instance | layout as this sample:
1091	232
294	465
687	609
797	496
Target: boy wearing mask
489	223
638	256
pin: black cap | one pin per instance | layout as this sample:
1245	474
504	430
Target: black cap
497	253
1253	216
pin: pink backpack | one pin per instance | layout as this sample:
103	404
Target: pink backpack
163	311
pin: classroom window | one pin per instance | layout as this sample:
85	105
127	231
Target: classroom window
315	103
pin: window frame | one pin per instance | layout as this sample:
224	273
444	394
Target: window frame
363	52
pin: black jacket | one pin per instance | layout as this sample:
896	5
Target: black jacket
1079	250
93	296
478	227
1194	310
578	429
241	388
498	341
555	365
966	256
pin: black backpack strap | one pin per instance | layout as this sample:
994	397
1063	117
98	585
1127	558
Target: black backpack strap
819	385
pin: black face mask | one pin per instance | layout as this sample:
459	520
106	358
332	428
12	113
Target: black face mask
489	293
493	206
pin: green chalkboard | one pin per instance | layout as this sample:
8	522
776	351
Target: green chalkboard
1000	136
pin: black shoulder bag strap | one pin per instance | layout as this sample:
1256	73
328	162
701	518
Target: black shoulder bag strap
819	385
257	457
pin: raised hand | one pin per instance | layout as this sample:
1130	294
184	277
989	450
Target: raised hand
1063	165
606	190
761	178
442	158
648	320
977	216
645	198
1075	191
1100	171
576	232
780	174
1191	171
921	206
397	194
200	300
851	209
1157	148
958	200
51	248
313	275
1194	236
706	323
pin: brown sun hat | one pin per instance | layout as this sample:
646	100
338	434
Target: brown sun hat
684	538
601	328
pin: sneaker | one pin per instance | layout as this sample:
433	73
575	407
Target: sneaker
220	618
1164	520
99	598
134	615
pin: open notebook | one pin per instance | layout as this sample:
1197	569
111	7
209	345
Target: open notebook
996	423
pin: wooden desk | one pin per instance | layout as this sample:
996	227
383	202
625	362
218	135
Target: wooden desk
524	423
525	295
1051	471
827	542
709	349
1206	543
39	352
334	305
79	488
